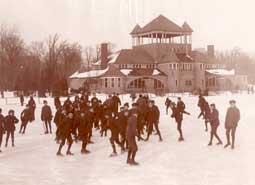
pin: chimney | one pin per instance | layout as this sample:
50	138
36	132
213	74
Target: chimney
104	55
210	51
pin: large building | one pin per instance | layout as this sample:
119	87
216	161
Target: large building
161	60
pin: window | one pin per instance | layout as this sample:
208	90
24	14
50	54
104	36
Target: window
105	83
170	66
118	82
174	67
201	66
188	83
112	82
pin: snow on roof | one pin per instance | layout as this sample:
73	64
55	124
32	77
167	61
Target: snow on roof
126	71
89	74
112	58
222	72
155	72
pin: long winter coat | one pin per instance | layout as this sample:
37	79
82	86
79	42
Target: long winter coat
25	115
2	122
131	131
46	113
214	117
10	122
177	115
66	128
232	117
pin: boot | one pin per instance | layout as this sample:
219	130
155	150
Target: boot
228	144
59	154
210	143
69	153
133	163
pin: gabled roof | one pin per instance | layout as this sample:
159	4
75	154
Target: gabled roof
134	56
186	27
112	72
136	29
161	23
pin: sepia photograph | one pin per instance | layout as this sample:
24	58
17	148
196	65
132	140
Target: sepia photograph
127	92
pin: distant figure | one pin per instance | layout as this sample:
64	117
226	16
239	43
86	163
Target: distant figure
116	103
231	123
215	122
201	105
24	117
9	126
21	100
133	96
46	116
131	134
2	122
57	102
32	107
167	104
206	114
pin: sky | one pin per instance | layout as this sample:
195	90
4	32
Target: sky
223	23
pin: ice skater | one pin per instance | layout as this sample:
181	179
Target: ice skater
10	121
46	117
178	116
215	122
131	134
2	130
65	134
231	123
24	117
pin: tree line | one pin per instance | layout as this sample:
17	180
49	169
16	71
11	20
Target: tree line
42	66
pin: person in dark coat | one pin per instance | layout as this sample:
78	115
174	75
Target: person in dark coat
90	117
57	102
112	124
24	117
68	106
83	133
116	103
181	106
201	105
32	107
65	133
122	124
2	130
21	98
10	121
58	119
206	114
46	116
215	122
231	123
131	134
178	116
152	118
96	107
167	104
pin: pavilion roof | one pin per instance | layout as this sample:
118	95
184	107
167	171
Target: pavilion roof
160	23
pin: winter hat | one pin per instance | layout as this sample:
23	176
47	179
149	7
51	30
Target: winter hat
232	101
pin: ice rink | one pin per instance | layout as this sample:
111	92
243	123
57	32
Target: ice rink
33	160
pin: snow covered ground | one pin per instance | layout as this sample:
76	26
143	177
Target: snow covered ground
192	162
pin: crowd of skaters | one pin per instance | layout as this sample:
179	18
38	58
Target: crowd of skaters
76	121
